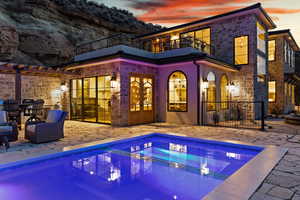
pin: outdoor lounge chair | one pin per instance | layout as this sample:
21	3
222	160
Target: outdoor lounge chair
50	130
8	130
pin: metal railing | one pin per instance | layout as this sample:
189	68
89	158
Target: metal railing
234	114
148	45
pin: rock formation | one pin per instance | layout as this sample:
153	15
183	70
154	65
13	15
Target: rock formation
45	32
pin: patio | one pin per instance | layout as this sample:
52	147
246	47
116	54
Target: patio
282	183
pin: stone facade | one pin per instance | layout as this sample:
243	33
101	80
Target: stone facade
277	69
223	33
34	87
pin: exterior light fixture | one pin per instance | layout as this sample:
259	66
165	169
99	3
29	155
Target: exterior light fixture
113	80
63	87
231	87
205	83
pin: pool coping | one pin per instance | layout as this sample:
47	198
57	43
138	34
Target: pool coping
239	186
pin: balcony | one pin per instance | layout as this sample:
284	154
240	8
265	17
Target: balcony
154	46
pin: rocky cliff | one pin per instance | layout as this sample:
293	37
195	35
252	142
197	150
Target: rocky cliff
45	32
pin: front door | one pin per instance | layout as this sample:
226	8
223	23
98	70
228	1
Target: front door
141	108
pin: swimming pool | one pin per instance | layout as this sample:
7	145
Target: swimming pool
149	167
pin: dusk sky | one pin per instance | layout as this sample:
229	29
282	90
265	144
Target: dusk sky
285	13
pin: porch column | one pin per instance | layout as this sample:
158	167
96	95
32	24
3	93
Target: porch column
18	86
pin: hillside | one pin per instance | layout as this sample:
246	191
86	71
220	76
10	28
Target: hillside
45	32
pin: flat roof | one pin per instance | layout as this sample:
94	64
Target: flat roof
166	57
252	7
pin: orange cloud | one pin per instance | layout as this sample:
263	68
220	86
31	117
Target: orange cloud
282	11
182	11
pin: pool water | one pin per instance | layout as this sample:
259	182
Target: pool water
154	167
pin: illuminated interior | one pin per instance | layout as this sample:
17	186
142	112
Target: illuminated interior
224	92
272	91
211	91
272	48
177	92
90	99
241	50
135	96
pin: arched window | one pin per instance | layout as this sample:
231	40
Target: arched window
211	91
177	84
224	92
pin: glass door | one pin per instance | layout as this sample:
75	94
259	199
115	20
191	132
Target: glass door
141	109
104	98
76	99
89	100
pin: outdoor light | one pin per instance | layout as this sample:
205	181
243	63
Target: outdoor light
113	80
231	87
205	83
63	87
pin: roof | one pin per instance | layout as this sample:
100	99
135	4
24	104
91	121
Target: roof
252	7
288	33
167	57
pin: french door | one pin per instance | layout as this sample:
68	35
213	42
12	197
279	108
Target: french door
141	107
90	99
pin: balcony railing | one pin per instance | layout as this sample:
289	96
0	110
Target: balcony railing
154	46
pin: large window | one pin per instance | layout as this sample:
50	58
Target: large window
272	91
224	92
199	39
211	92
177	92
272	50
91	99
241	50
135	91
293	94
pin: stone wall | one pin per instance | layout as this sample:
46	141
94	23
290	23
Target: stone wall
7	86
223	33
41	87
277	69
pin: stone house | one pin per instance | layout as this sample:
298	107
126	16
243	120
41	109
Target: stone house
282	72
167	75
187	74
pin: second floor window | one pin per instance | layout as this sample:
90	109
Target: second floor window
272	50
241	50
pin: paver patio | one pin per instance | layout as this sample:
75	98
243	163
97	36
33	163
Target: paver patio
282	183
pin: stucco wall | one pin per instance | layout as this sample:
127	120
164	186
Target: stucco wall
189	117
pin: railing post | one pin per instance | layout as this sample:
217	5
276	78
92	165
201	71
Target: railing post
263	116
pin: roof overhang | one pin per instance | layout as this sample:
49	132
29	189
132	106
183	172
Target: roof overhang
32	70
159	63
287	35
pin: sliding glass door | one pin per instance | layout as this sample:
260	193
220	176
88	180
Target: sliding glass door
90	99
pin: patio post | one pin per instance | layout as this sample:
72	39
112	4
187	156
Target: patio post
18	86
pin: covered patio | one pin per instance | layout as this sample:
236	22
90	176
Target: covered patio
282	183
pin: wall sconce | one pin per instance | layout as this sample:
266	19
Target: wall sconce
231	87
205	83
113	80
63	87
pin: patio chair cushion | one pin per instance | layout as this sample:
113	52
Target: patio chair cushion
5	129
31	128
54	116
3	117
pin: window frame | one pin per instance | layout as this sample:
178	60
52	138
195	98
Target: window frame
275	51
248	50
168	92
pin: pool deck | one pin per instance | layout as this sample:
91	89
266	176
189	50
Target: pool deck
282	183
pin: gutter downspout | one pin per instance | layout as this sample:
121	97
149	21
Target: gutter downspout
198	90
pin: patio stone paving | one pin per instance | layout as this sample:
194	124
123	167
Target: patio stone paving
282	183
